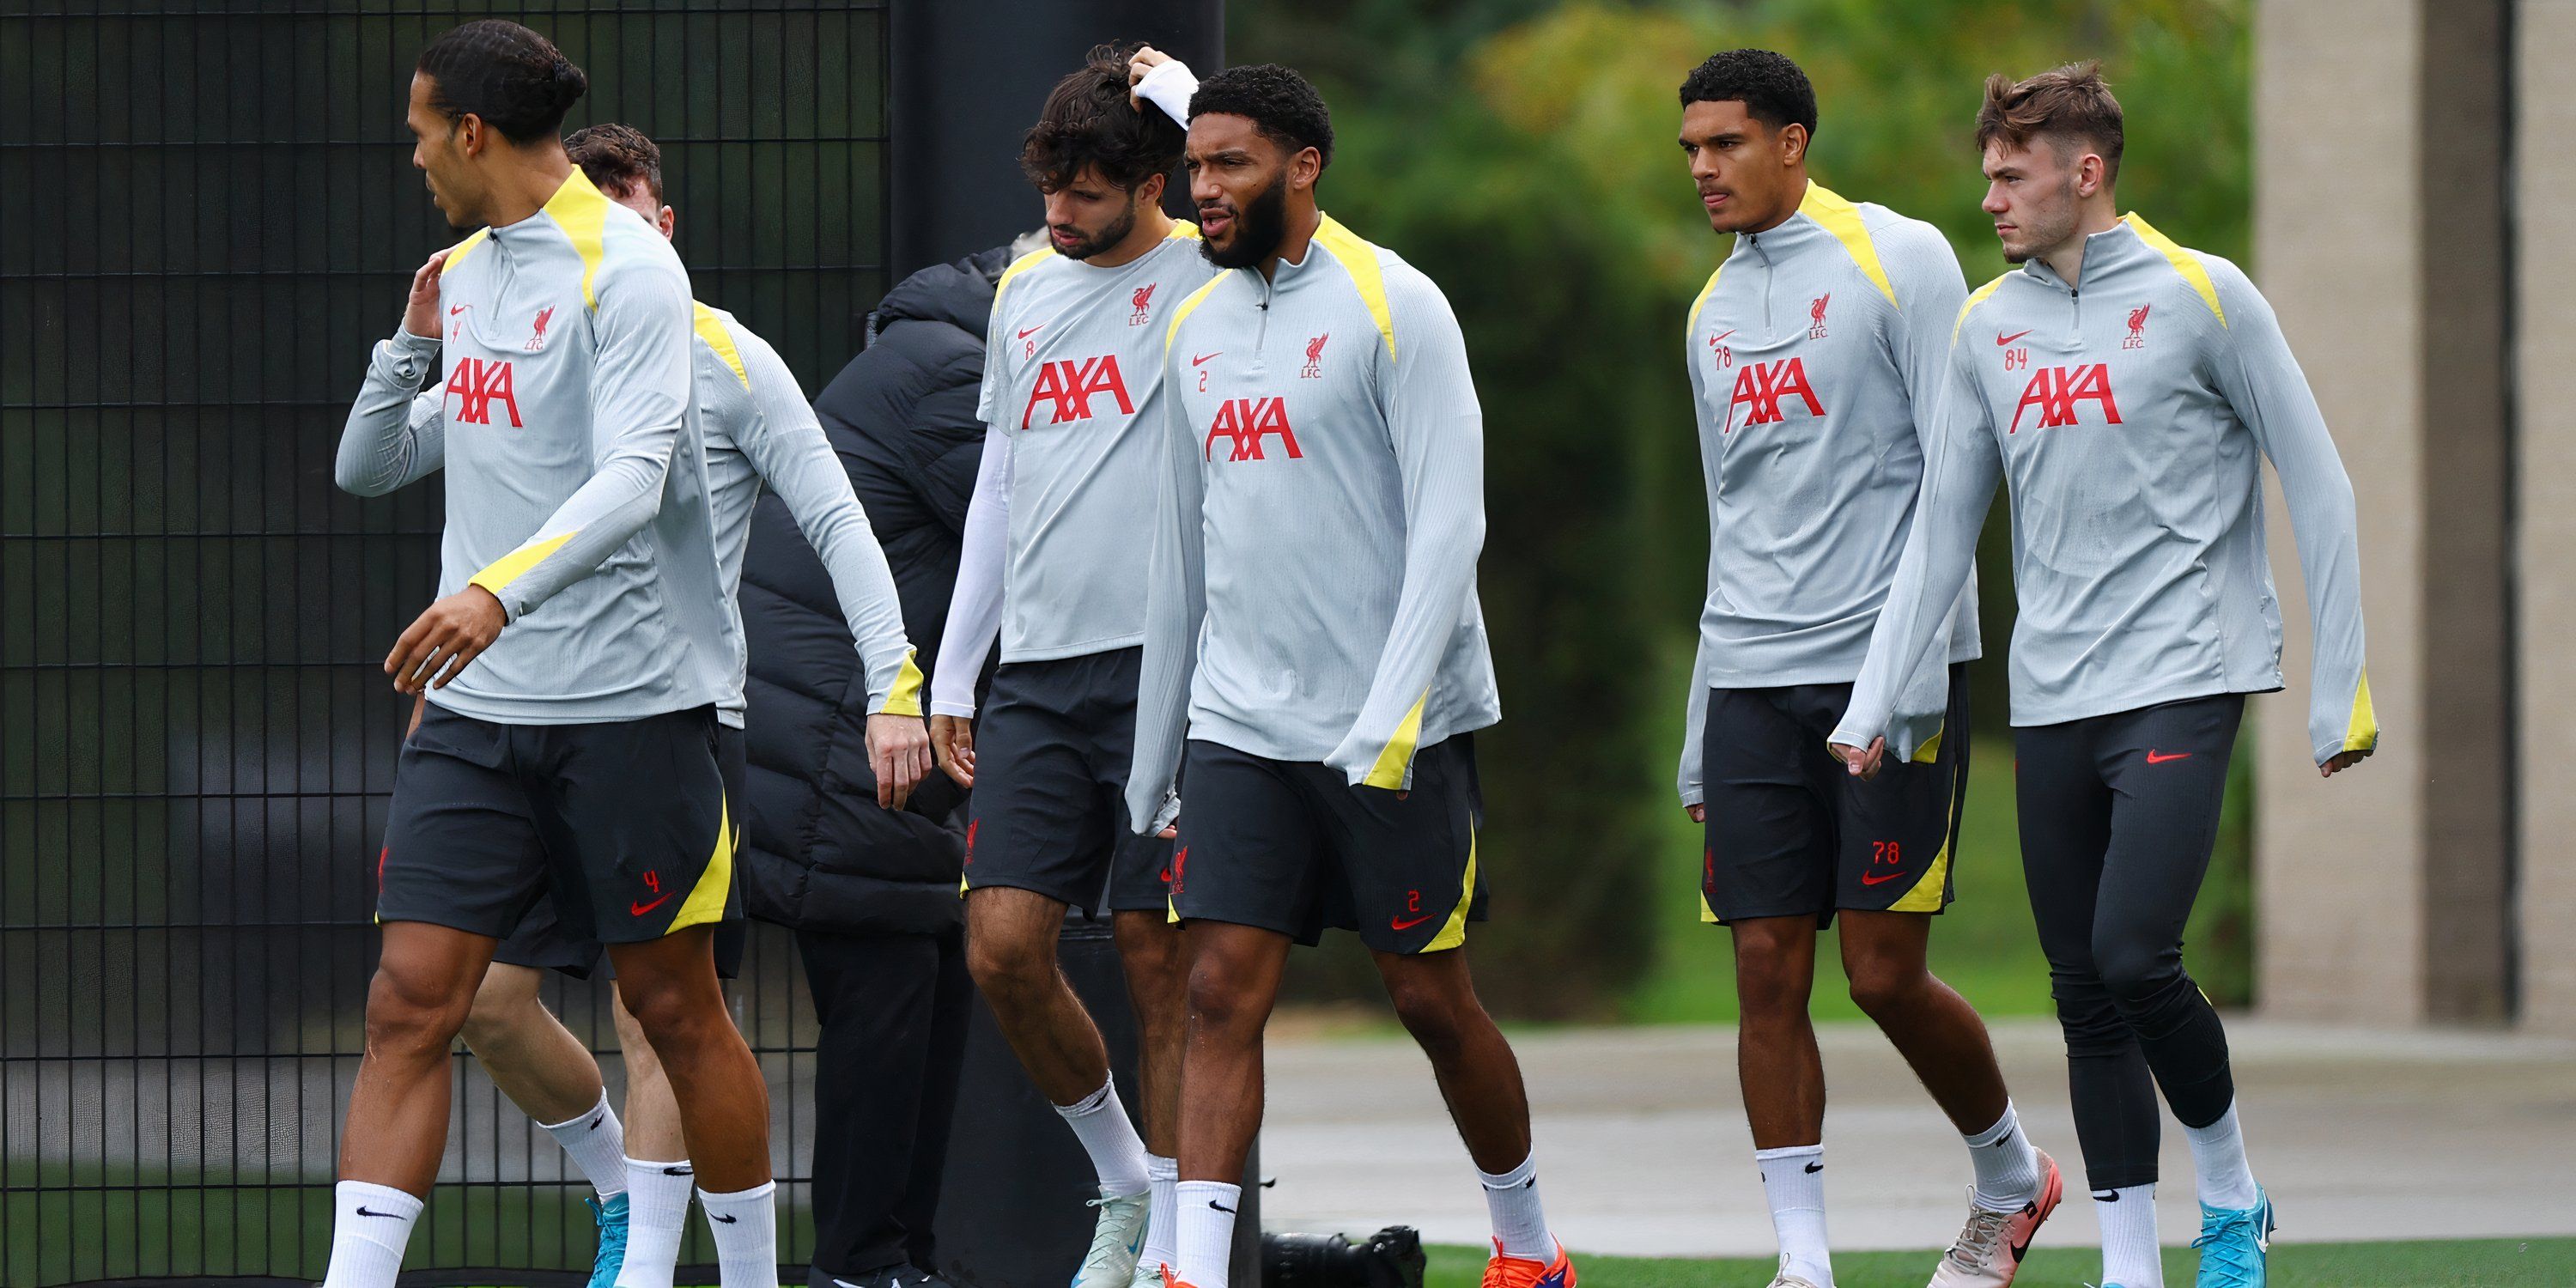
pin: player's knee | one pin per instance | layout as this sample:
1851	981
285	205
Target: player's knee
1220	1001
409	1014
670	1012
502	1009
1769	984
2133	970
1007	967
1435	1016
1880	987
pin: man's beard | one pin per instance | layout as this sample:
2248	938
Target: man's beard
1258	229
2037	240
1115	233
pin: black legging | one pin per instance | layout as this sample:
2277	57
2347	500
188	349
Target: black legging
2118	816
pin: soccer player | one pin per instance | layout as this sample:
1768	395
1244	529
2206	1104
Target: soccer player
756	429
1313	617
574	660
1815	353
1073	386
2123	388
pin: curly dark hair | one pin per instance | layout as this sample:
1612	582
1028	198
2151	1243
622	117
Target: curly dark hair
1087	121
1276	100
513	78
617	157
1772	89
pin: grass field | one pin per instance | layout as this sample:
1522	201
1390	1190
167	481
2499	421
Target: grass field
2480	1263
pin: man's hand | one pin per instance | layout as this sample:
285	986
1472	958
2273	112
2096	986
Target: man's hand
1146	60
953	737
899	752
2343	761
420	312
446	638
1862	765
1698	813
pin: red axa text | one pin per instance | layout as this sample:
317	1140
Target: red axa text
1068	386
478	384
1759	387
1244	422
2056	390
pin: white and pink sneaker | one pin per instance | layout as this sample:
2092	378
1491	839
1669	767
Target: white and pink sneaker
1989	1251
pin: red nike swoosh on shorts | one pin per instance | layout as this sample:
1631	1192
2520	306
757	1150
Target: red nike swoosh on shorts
1401	924
1866	879
2155	758
639	909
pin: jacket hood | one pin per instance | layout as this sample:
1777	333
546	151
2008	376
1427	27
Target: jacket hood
959	293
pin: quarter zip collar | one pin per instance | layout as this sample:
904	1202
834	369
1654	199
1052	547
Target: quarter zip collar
2105	252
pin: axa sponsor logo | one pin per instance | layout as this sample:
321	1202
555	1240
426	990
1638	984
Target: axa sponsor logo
476	384
1244	423
1067	386
1760	387
2058	391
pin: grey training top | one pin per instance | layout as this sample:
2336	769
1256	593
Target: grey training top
2126	417
562	425
1807	351
1313	584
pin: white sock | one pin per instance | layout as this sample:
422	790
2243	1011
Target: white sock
1117	1152
1520	1227
1207	1231
1794	1180
746	1228
2007	1166
657	1216
2128	1220
369	1226
2218	1163
1162	1241
597	1143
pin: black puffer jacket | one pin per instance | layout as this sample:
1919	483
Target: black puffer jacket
819	853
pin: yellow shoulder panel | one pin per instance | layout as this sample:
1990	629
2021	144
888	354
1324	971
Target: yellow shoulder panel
1182	230
1359	259
456	254
581	210
1975	298
2184	262
1842	219
1018	266
1191	305
711	329
1691	323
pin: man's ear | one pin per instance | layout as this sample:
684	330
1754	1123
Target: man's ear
1793	142
1305	168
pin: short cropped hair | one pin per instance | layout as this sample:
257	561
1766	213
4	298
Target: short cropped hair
617	157
513	78
1089	122
2068	104
1278	102
1773	89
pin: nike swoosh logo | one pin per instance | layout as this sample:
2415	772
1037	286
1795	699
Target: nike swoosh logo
2158	758
1033	330
1204	357
2002	339
639	909
1813	1168
1401	924
595	1122
1220	1207
362	1211
2106	1196
677	1171
728	1220
1868	880
2020	1250
1721	335
454	309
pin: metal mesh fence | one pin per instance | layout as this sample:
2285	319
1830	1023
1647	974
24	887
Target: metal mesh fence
207	214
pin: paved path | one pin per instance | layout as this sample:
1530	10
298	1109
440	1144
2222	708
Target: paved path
1643	1149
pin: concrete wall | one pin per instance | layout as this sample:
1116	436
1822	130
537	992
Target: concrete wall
2545	555
2379	240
